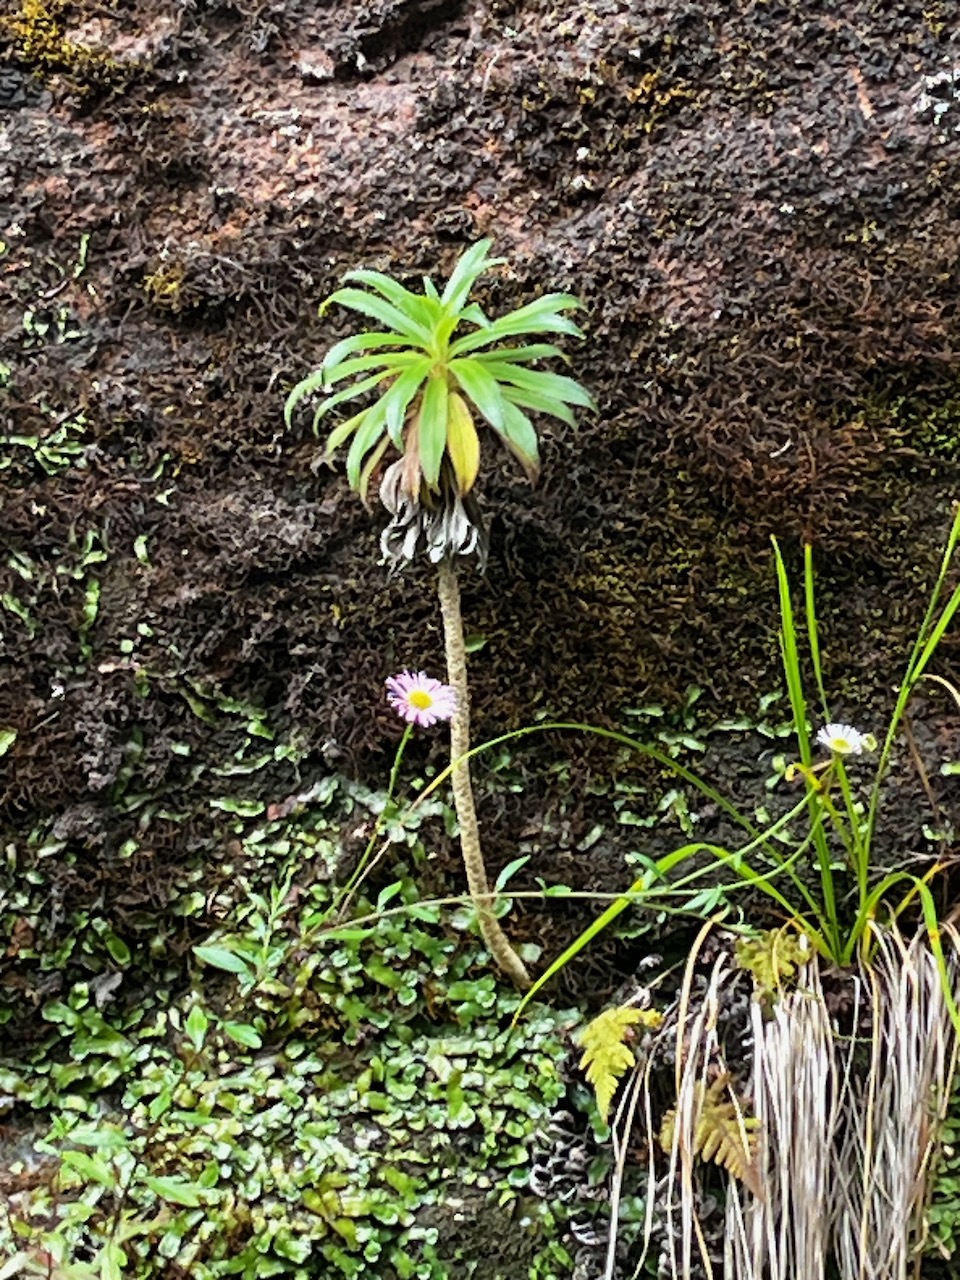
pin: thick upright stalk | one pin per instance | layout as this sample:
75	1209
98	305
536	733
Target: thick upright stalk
496	940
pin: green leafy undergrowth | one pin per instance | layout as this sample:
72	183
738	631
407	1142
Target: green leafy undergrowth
306	1107
133	934
943	1214
303	1161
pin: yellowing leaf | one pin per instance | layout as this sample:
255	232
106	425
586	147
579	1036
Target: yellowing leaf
722	1133
463	443
606	1055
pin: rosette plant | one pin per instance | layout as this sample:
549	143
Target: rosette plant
435	376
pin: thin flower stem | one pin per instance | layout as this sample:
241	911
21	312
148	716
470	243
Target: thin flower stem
344	899
859	853
813	638
495	939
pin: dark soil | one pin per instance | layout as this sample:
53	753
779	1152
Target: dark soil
759	204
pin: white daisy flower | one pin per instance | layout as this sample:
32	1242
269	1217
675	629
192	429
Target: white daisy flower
845	740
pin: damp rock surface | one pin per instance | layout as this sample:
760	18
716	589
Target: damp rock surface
758	205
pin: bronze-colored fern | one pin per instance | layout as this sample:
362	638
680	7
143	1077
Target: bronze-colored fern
722	1133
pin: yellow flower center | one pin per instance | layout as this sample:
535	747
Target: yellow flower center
420	699
843	746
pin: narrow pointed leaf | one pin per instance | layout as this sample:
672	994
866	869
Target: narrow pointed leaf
433	428
482	388
348	393
499	330
475	314
369	467
521	355
303	389
541	404
421	310
463	443
369	304
470	266
540	316
366	437
390	289
361	342
520	437
397	400
553	385
390	361
546	304
340	434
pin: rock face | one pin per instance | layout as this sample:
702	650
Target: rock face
758	204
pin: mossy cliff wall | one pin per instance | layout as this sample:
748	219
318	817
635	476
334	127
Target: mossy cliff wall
758	204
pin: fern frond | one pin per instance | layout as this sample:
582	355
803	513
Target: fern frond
773	958
722	1133
607	1053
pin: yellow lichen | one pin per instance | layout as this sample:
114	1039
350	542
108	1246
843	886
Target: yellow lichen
162	286
40	42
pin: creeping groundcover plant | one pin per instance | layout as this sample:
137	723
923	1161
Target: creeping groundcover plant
431	383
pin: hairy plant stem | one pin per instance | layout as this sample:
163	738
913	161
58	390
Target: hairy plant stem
495	939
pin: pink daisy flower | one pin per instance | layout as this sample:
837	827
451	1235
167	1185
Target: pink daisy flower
419	699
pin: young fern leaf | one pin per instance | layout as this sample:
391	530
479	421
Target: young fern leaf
722	1132
607	1055
773	958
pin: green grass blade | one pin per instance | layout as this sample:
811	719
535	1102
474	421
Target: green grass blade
932	922
791	659
813	638
920	655
645	887
798	704
583	940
